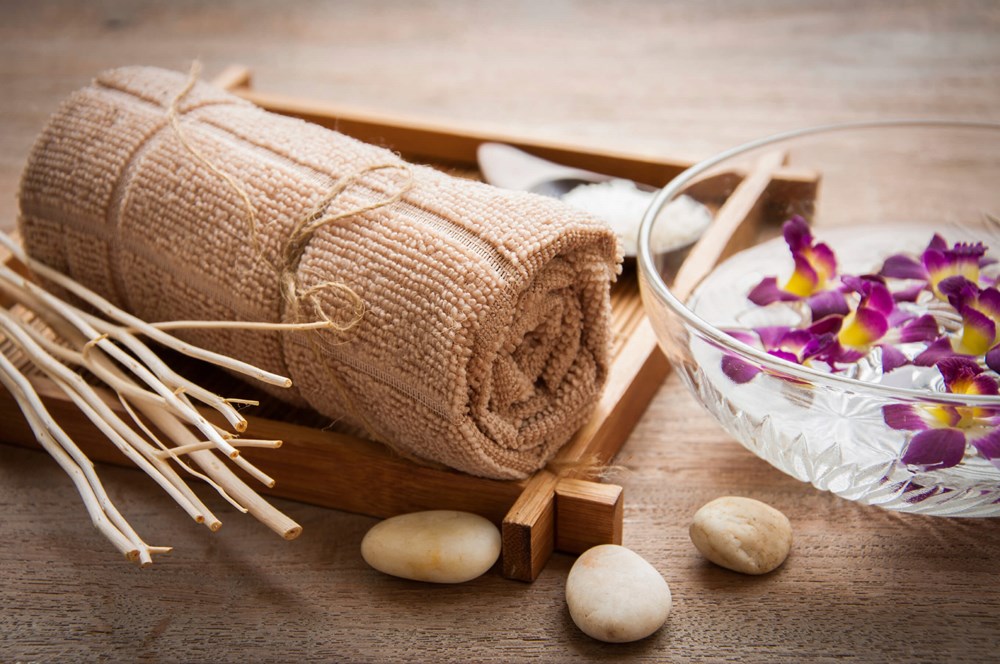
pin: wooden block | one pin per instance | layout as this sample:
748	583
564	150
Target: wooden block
587	514
528	530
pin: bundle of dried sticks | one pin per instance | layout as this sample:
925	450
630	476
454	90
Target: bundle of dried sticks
158	421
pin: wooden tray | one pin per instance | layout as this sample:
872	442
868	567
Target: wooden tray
562	507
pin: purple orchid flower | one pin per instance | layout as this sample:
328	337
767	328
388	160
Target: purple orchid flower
854	315
937	263
799	346
980	332
943	431
876	322
812	280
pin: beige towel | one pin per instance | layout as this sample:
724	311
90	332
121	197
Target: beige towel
484	340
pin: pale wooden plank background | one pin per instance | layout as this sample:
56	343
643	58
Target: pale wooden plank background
679	78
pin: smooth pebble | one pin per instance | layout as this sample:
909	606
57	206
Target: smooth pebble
614	595
742	534
440	546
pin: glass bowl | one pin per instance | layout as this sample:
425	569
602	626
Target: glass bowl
906	438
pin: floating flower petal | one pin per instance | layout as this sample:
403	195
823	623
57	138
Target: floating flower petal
901	266
936	351
739	370
903	416
935	448
965	376
993	359
862	328
892	358
768	291
979	333
827	303
874	293
937	264
922	328
989	446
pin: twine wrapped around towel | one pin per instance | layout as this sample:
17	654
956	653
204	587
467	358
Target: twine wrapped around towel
483	341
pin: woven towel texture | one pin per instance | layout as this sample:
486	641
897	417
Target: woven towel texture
485	338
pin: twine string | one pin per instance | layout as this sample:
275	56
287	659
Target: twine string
302	233
287	271
173	117
303	230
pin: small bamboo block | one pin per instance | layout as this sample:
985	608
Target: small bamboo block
558	508
580	505
568	515
528	530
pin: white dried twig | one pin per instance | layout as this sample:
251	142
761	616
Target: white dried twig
109	347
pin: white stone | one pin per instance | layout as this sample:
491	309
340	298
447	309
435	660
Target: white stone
615	595
440	546
742	534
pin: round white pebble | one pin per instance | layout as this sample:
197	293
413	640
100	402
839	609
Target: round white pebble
742	534
440	546
614	595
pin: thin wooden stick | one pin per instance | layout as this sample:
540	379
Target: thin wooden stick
165	452
235	487
104	370
238	325
112	427
111	311
173	398
169	377
124	386
76	318
205	445
255	472
85	398
165	398
47	432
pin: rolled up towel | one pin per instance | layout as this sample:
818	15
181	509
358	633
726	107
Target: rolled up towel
475	321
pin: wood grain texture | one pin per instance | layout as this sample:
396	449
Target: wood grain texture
684	78
579	506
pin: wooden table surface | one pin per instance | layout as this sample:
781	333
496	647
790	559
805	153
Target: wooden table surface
678	78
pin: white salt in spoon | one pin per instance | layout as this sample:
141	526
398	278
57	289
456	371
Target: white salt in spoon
619	202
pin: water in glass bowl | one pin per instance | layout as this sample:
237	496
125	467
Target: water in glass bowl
831	434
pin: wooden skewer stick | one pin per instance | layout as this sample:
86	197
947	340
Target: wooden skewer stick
85	323
205	445
169	377
166	452
112	376
43	352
